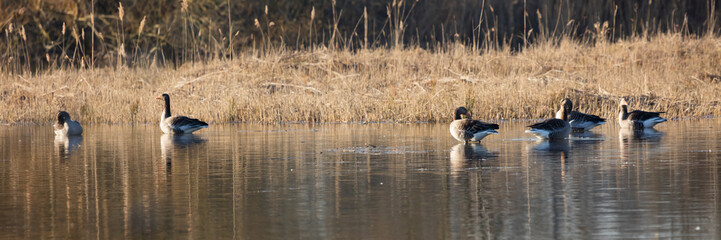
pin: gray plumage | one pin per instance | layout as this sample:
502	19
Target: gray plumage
637	119
469	130
579	121
553	128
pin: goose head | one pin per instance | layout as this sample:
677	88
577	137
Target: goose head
567	104
63	116
623	113
166	98
462	111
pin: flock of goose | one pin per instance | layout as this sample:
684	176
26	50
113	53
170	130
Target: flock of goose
168	123
463	128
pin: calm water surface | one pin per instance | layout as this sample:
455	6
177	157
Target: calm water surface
376	181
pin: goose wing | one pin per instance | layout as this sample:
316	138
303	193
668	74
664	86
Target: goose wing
638	115
582	117
475	126
183	124
549	124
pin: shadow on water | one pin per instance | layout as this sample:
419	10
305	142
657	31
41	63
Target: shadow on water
587	136
551	146
66	145
466	187
646	134
174	142
639	145
468	155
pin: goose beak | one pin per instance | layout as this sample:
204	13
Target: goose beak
158	97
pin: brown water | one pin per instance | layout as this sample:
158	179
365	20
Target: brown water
376	181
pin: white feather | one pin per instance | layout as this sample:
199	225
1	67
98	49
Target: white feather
70	128
540	133
653	121
482	134
164	125
586	125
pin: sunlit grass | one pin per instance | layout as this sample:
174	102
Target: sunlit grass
666	73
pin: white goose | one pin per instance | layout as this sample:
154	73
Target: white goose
469	130
67	127
637	119
580	122
178	124
552	128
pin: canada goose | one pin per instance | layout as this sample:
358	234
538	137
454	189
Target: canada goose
552	128
637	119
469	130
67	127
579	121
178	124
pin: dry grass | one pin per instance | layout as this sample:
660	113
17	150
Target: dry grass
666	73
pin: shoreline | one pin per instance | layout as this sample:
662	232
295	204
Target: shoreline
501	121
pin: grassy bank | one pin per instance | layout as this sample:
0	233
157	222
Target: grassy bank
664	73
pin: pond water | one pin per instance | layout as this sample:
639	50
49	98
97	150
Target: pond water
351	181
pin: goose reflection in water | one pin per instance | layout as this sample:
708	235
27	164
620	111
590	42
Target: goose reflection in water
169	142
582	142
560	145
65	145
638	145
587	135
465	155
647	134
555	151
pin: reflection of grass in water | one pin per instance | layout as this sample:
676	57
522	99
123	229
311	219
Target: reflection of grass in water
666	73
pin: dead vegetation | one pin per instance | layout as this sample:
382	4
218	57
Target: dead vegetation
668	72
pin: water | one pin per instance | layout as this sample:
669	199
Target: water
379	181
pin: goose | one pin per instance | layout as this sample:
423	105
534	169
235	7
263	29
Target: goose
637	119
580	122
177	124
67	127
552	128
469	130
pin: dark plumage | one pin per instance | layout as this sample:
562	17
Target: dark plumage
553	128
637	115
178	124
585	117
66	126
549	124
579	121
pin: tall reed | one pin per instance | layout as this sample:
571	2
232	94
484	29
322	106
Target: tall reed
337	76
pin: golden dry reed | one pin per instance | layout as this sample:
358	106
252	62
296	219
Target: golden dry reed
668	72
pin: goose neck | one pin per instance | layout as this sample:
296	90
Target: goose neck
167	107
